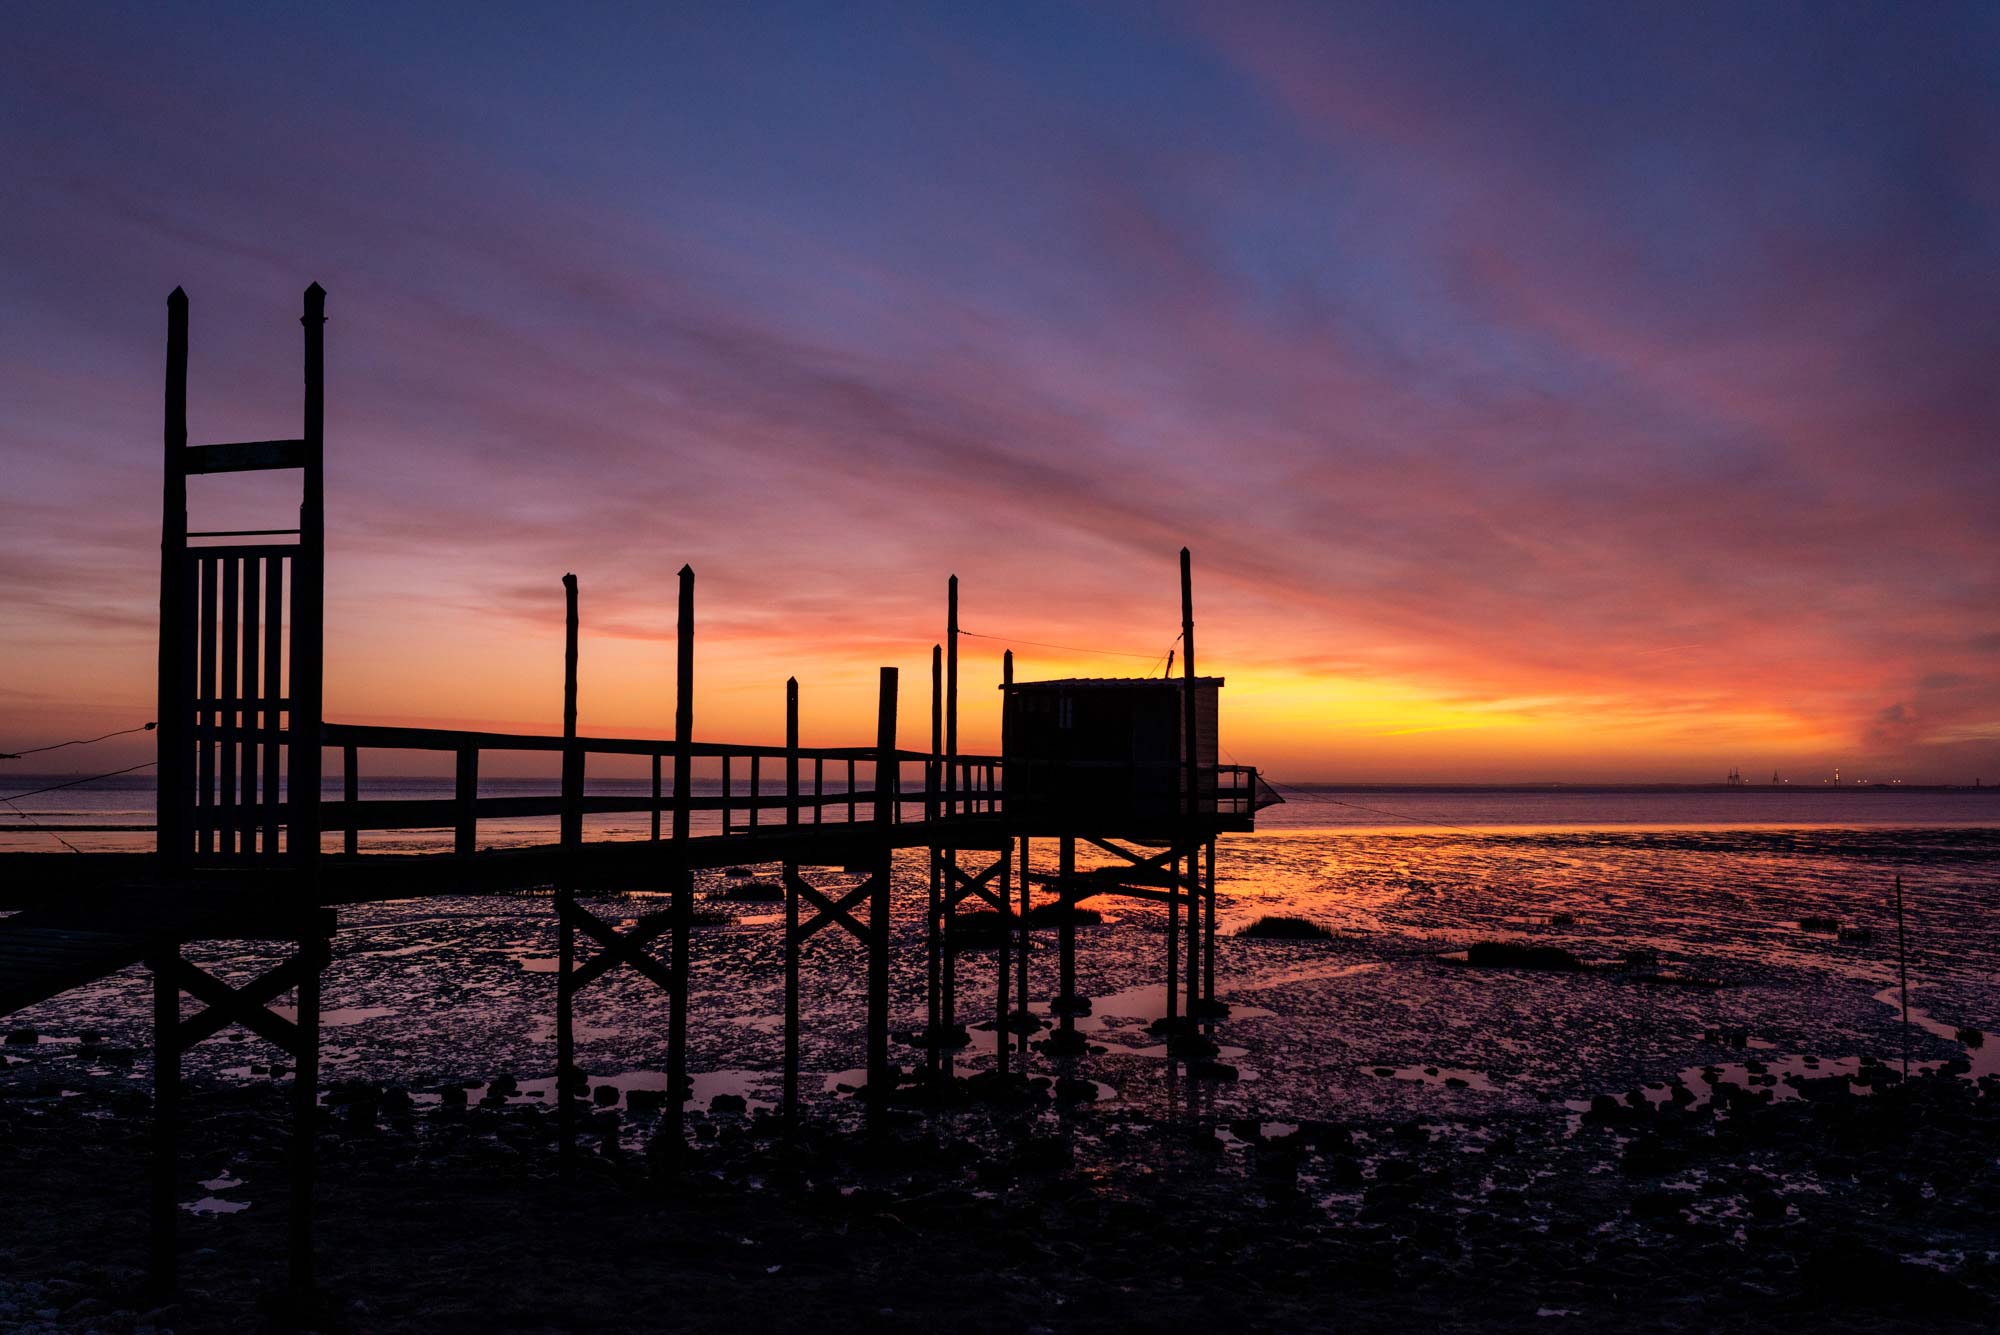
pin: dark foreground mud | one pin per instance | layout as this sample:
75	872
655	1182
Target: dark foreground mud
1839	1210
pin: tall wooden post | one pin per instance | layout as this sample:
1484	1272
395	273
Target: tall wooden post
309	598
175	702
166	1120
1003	962
303	770
934	942
572	834
880	1082
791	1086
683	905
947	1032
951	698
1190	760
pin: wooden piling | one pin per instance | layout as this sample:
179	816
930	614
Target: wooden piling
1191	763
674	1128
947	1031
791	1073
1003	964
880	1081
305	1113
1208	932
1027	941
309	599
572	839
173	737
1066	933
934	946
162	1255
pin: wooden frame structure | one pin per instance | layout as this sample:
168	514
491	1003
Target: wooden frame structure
240	819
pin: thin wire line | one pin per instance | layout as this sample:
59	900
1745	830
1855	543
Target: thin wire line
81	741
76	783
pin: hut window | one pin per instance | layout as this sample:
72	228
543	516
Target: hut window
1064	713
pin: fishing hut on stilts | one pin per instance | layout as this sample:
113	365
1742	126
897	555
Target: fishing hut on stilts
248	849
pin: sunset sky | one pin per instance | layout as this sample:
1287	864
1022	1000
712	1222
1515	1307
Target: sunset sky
1591	392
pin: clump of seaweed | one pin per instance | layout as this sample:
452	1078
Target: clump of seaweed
1818	924
1284	927
1518	955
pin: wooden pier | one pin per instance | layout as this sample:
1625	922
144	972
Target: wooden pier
247	848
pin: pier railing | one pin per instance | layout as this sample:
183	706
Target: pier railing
750	788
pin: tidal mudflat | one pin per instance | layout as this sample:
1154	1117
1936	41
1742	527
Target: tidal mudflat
1710	1126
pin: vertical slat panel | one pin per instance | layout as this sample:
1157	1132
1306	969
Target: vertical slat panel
253	695
204	815
230	612
274	690
725	794
755	792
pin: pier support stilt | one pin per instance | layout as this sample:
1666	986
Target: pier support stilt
162	1254
565	1036
305	1116
1209	1007
791	874
881	1081
1066	997
1002	966
1025	1021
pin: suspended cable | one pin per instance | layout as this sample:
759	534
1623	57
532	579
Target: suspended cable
81	741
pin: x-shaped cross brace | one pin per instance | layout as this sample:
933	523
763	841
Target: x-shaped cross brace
615	948
830	910
243	1005
961	887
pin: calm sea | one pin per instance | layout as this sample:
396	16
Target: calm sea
77	814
